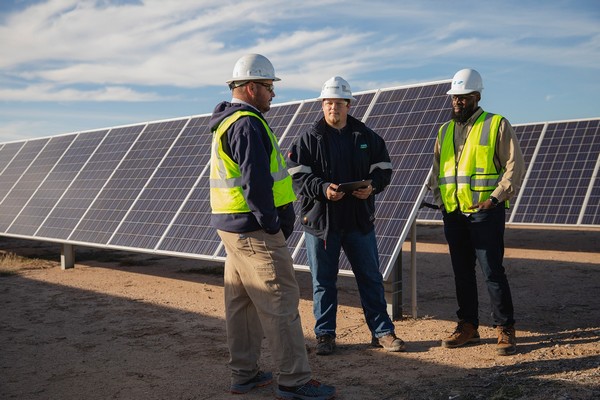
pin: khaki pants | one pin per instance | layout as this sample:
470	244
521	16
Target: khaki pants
262	296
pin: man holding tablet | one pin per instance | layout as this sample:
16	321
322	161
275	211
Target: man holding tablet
337	168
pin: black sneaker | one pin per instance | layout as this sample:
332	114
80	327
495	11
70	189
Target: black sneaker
261	379
311	390
325	345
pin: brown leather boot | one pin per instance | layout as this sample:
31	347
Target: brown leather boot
389	342
507	340
464	333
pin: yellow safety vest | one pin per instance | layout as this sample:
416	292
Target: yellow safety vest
226	193
474	177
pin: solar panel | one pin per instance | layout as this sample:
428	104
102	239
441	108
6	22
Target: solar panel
165	193
190	232
144	187
102	219
56	183
7	153
560	175
83	190
15	168
32	177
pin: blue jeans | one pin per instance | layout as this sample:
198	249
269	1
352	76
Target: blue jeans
361	251
479	237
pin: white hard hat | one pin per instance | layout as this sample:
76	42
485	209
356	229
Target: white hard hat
466	81
336	88
253	67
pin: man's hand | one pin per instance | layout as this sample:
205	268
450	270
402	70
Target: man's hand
363	193
333	194
483	205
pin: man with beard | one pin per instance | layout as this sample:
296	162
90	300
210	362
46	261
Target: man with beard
477	168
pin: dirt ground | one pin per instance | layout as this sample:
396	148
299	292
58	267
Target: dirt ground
131	326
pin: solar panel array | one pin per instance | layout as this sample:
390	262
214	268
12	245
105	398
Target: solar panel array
144	187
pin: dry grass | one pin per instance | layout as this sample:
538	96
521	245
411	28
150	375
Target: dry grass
12	264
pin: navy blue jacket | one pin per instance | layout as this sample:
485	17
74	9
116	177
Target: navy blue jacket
370	160
247	143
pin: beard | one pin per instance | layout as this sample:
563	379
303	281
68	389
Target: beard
463	114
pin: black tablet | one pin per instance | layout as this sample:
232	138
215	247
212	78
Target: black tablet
348	187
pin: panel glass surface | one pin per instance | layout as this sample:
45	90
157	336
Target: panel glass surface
152	213
86	186
18	165
560	175
32	177
56	183
106	212
279	117
8	152
192	232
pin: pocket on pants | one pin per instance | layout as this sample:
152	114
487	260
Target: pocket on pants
244	245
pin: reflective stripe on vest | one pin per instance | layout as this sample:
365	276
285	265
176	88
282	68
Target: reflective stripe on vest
226	193
474	177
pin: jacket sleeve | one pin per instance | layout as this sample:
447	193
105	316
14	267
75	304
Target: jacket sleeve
304	168
510	158
251	149
380	170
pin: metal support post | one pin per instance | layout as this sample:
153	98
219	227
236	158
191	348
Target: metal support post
67	256
413	268
393	290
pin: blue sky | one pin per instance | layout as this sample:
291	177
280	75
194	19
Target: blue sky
67	66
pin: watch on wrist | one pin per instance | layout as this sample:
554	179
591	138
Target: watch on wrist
494	200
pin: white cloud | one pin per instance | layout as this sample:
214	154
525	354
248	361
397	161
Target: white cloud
48	92
136	51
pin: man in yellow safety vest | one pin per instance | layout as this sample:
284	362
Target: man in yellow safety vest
478	167
251	198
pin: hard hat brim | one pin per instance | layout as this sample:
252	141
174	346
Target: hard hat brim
460	91
336	97
252	78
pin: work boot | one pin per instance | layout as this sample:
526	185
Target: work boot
389	342
464	333
325	345
507	340
261	379
311	390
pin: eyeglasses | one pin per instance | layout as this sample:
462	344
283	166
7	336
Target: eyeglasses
269	86
462	98
335	103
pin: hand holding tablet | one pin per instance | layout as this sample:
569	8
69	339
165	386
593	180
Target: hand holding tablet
349	187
